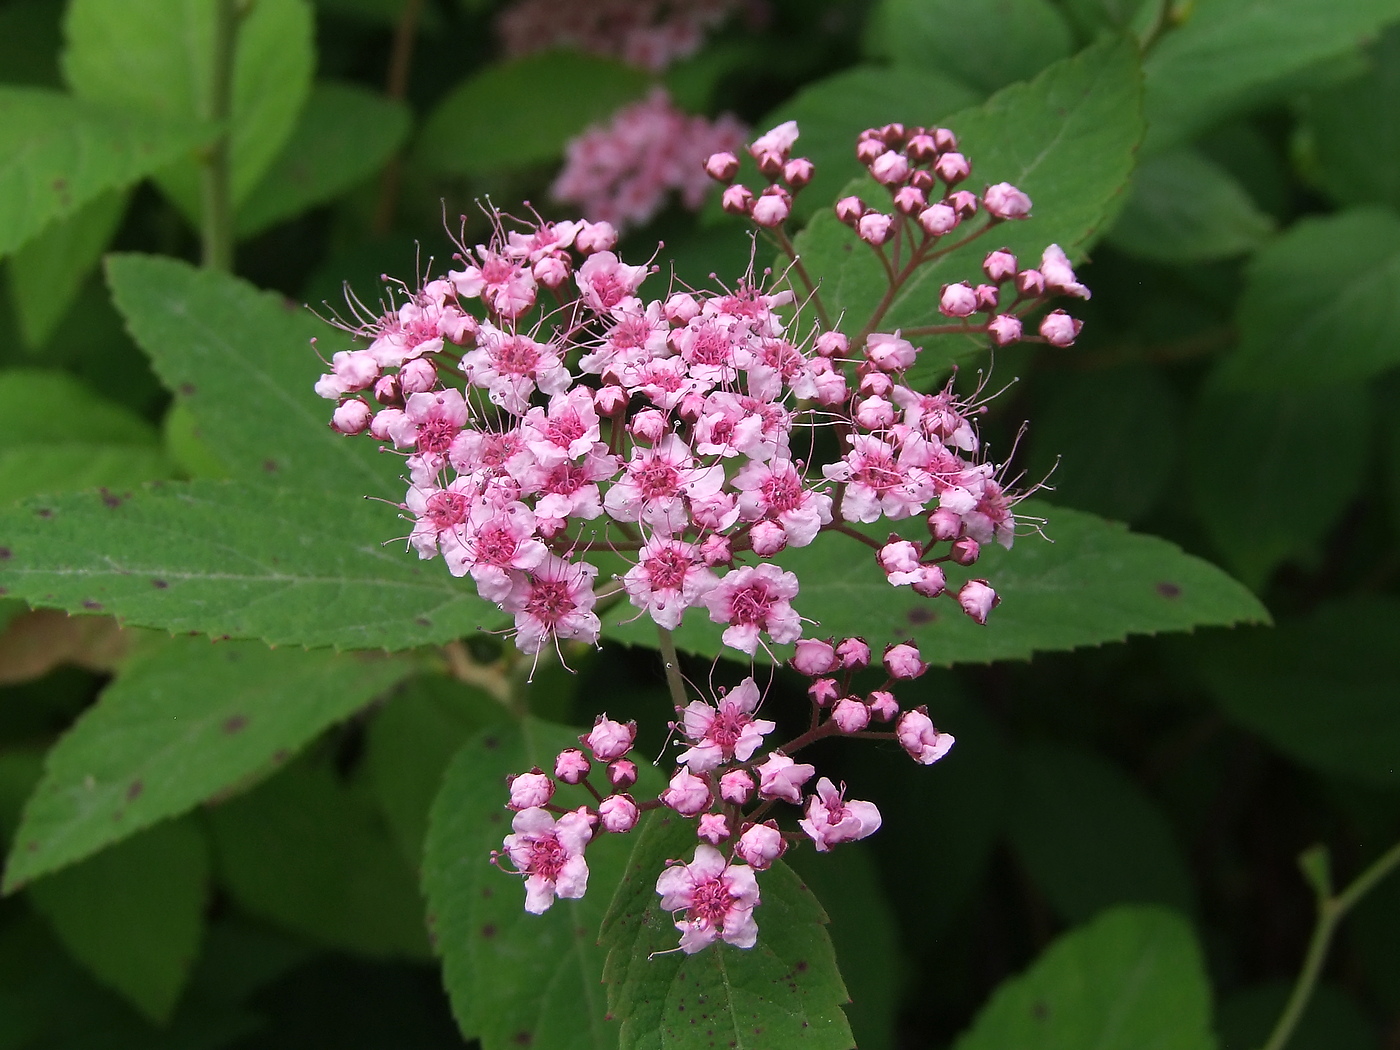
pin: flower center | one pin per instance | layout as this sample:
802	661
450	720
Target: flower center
547	857
710	902
446	509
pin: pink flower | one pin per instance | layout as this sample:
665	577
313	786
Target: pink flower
529	790
831	819
687	794
554	600
814	657
978	599
780	140
1059	328
760	845
572	765
505	285
550	855
736	786
713	828
725	732
1059	275
755	599
851	714
608	739
670	576
717	899
618	814
781	777
902	661
1005	201
915	733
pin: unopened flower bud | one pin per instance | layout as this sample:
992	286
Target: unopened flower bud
952	168
999	265
869	150
898	556
890	353
938	219
781	777
1059	328
714	549
608	739
965	551
384	422
772	208
352	417
713	828
681	308
767	538
553	270
1030	283
902	661
622	773
531	789
1005	329
944	524
736	786
945	140
890	168
798	172
770	163
987	297
850	714
823	691
854	654
610	400
883	705
922	180
909	200
921	148
388	392
618	814
874	383
572	765
1005	201
722	167
957	300
687	794
779	140
964	203
417	376
874	228
814	657
915	733
930	581
760	845
595	237
893	135
737	199
978	599
648	425
832	344
874	413
849	210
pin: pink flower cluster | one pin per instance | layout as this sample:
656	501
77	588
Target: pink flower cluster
623	171
723	784
647	33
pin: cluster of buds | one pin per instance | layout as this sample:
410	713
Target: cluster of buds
785	173
728	780
548	413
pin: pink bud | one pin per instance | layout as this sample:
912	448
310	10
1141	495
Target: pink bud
854	654
930	582
938	219
823	691
945	139
608	739
648	425
714	828
952	168
692	407
849	210
387	392
722	167
965	551
892	135
830	383
964	203
531	789
714	549
874	228
910	200
1030	283
772	208
767	538
681	308
898	556
923	181
874	413
1005	201
552	270
417	376
352	417
850	714
957	300
883	705
688	794
987	297
781	777
385	421
572	765
595	237
814	657
610	400
618	814
890	353
903	661
999	265
921	148
832	344
890	168
760	845
869	150
736	786
798	172
770	163
875	384
622	773
915	732
779	140
1059	328
978	599
737	199
944	524
1005	329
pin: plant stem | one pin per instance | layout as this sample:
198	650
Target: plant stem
813	293
215	191
1331	909
396	87
674	682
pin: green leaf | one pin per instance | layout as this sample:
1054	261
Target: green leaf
1228	56
1133	979
784	991
47	273
134	914
1036	136
288	566
985	43
1353	132
1186	208
184	440
156	56
311	853
242	361
57	154
184	721
29	42
832	111
46	408
1088	837
516	979
344	135
523	111
1320	689
28	470
1096	582
410	744
1321	304
1247	453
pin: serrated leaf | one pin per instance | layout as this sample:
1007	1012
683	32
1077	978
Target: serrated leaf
134	914
1321	689
1095	582
784	991
832	111
287	566
1186	208
523	111
157	56
1089	837
47	272
242	361
58	153
1227	55
344	135
50	407
28	470
1036	136
514	978
184	441
184	722
1133	979
1247	452
985	43
313	854
1321	305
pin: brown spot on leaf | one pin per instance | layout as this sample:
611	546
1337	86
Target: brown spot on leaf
523	1038
920	614
491	743
1168	590
91	605
270	465
1040	1010
187	389
488	931
6	554
134	789
159	585
280	755
235	724
801	966
110	498
422	621
44	512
